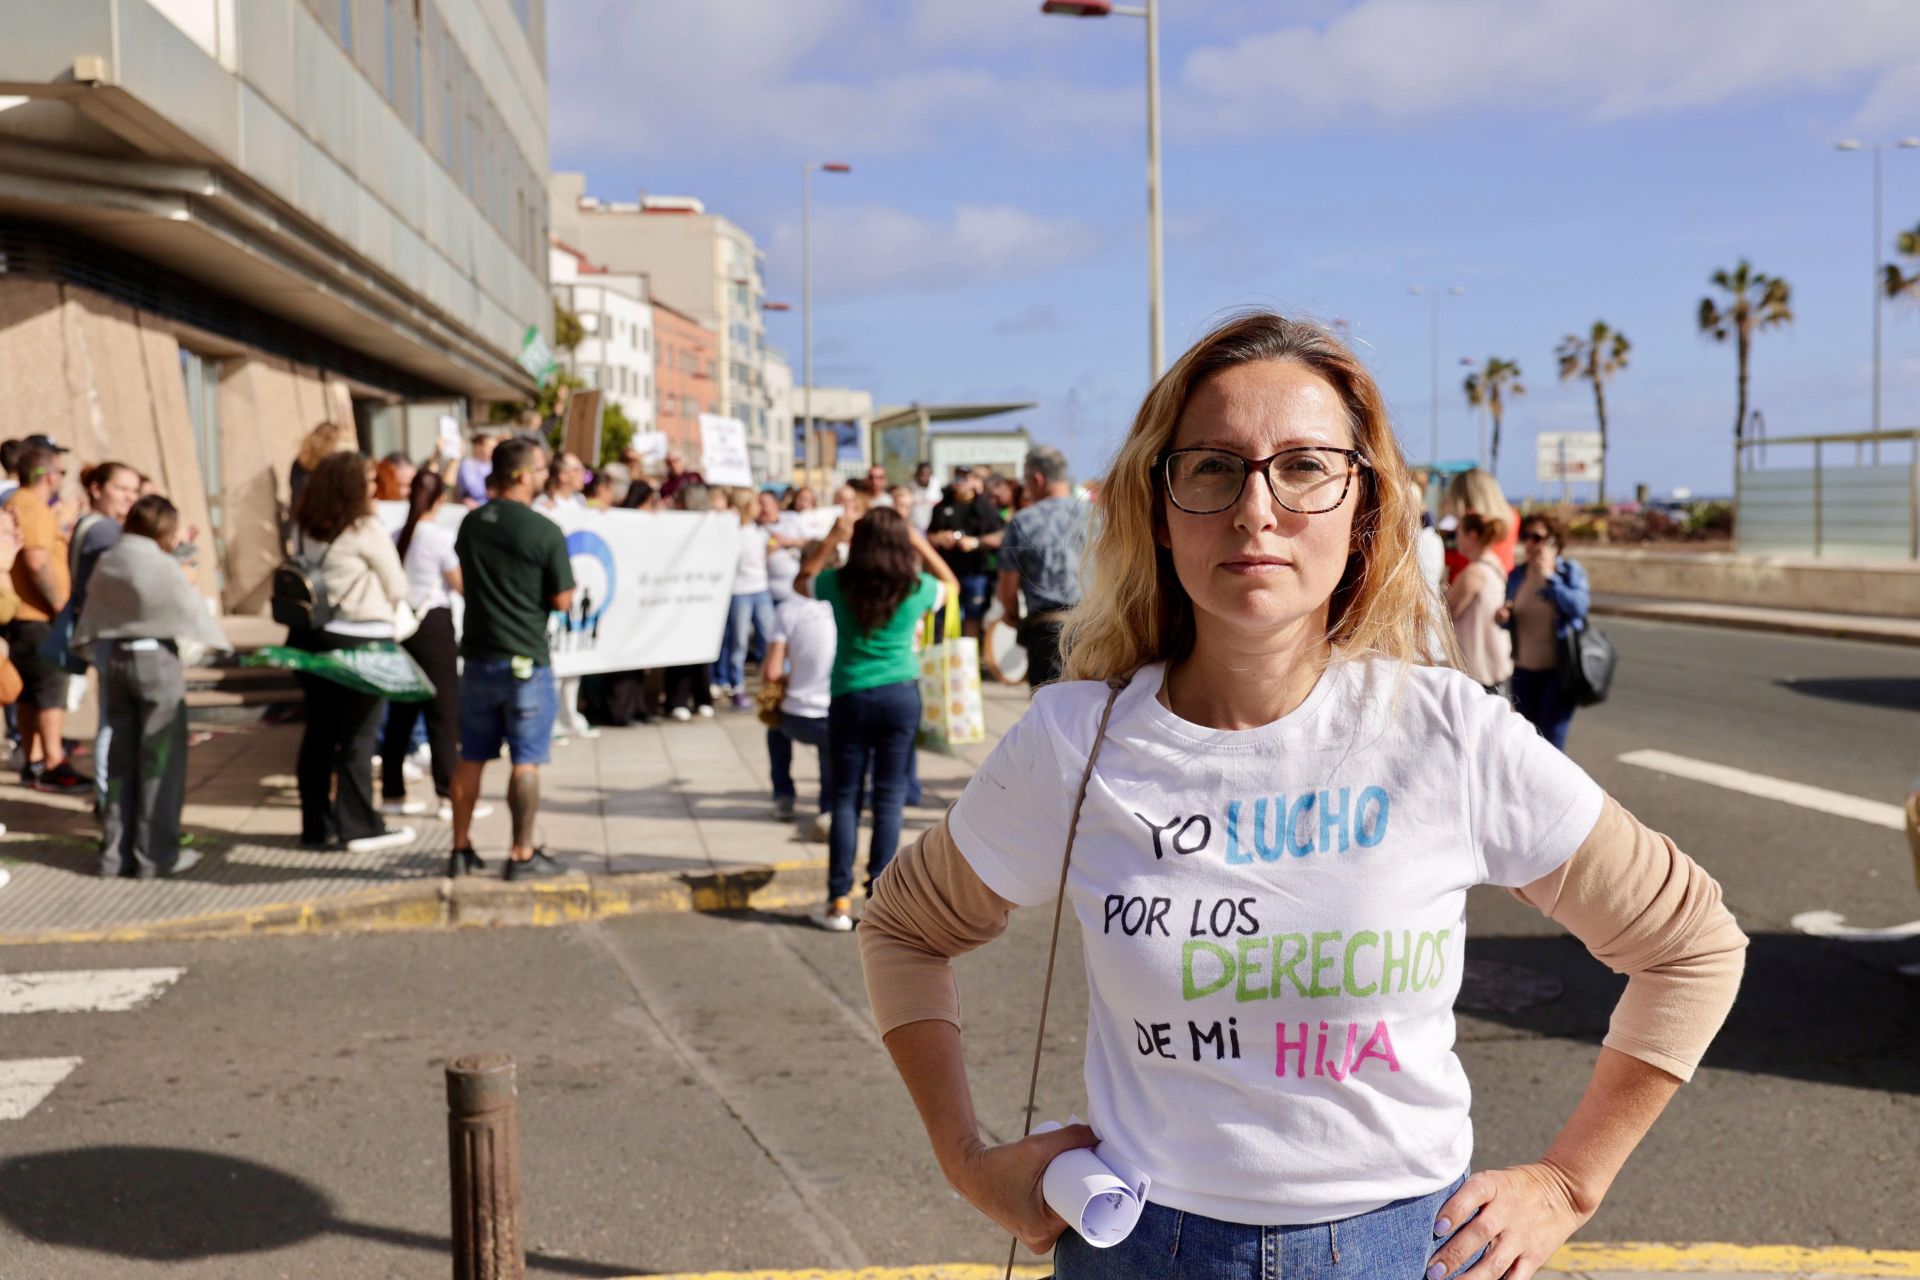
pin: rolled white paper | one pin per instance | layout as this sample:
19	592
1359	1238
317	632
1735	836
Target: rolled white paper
1094	1191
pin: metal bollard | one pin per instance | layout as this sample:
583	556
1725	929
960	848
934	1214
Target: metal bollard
483	1153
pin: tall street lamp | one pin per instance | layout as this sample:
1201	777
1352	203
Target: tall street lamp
1854	144
1434	291
1156	326
806	314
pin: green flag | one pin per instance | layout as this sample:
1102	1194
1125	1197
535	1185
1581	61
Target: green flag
382	668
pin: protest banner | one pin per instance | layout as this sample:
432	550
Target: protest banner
651	589
723	451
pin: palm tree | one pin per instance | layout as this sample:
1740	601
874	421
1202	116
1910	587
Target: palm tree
1907	245
1488	387
1596	357
1754	301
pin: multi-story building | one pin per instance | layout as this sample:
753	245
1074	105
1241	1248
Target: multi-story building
697	262
843	423
684	355
615	351
779	379
225	221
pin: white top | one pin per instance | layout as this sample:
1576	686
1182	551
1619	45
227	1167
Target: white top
429	556
925	499
547	504
783	563
750	574
1274	921
807	627
1432	553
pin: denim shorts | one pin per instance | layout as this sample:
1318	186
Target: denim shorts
1392	1242
497	709
976	592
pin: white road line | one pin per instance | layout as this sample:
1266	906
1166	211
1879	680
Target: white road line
1837	803
1831	924
82	990
26	1082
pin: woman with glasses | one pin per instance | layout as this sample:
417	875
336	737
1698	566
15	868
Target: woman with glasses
1547	600
1277	797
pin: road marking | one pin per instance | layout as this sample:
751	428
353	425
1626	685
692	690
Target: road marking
1836	803
1831	924
83	990
1764	1259
26	1082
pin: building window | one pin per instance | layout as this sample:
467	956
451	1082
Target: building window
389	33
201	374
346	26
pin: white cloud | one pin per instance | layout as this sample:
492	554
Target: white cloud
867	249
1394	60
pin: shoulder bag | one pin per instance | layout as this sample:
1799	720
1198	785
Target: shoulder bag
1059	905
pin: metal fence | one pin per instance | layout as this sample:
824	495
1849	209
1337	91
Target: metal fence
1852	497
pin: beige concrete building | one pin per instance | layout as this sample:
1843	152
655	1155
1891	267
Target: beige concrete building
696	262
225	221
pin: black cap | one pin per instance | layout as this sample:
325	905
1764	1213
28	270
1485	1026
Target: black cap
42	442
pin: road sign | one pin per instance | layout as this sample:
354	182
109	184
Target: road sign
1568	455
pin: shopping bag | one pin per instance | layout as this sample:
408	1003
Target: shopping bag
952	714
382	668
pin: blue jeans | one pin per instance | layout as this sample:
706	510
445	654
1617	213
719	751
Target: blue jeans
1544	703
809	731
1392	1242
495	708
883	721
748	613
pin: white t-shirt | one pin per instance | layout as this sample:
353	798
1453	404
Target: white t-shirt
807	627
1270	1026
783	563
429	556
750	573
925	499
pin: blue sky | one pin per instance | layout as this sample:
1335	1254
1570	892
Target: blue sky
1559	160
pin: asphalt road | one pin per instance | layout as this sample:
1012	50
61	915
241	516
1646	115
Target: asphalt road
707	1092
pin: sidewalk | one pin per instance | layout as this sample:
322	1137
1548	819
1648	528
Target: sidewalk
661	816
1838	626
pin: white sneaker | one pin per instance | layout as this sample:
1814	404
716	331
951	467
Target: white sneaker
481	810
411	771
185	861
586	731
706	713
3	831
421	757
402	808
393	838
835	916
5	875
822	829
681	714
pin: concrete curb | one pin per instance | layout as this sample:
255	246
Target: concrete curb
1842	627
477	902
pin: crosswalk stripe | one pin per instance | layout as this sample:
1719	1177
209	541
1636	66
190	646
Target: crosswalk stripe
82	990
26	1082
1837	803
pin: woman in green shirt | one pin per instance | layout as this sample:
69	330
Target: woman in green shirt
891	580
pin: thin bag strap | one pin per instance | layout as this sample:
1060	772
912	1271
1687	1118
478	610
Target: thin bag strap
1059	904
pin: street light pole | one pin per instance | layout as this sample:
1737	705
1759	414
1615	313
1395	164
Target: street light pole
1435	292
1854	144
806	317
1150	11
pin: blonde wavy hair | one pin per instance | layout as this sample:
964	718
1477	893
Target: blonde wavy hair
1134	611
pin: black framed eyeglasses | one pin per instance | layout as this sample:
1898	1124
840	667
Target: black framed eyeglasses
1307	481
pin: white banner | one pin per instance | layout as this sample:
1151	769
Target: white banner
650	589
1567	455
723	451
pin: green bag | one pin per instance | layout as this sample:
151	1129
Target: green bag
382	668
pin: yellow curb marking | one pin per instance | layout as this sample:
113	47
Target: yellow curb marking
1766	1259
552	904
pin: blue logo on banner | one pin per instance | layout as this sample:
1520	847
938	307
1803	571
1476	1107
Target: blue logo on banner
582	542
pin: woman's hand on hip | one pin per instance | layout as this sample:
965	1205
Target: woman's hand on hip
1520	1216
1004	1183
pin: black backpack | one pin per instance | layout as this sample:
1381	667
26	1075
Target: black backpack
300	592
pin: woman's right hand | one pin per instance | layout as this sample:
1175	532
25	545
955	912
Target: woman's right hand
1004	1183
1503	616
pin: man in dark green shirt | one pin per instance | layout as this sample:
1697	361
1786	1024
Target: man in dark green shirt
514	571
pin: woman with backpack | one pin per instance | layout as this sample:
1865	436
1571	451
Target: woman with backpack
351	559
1546	604
892	579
